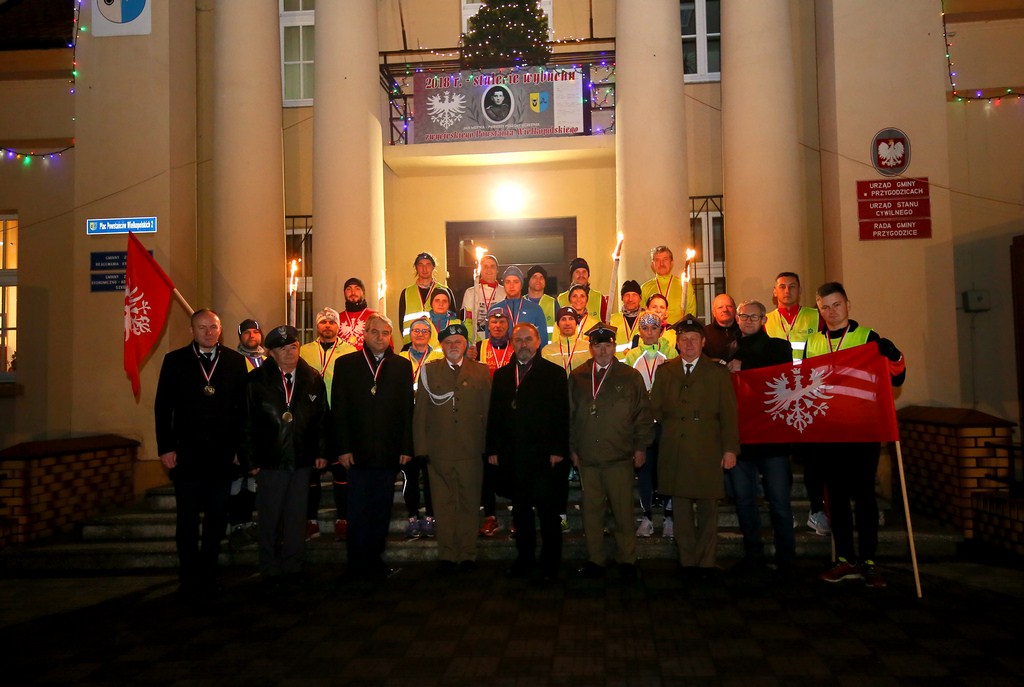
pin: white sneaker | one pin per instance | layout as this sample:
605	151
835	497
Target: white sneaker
667	530
819	523
646	528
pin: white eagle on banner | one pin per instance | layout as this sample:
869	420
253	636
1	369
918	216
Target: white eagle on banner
890	154
798	404
136	312
447	109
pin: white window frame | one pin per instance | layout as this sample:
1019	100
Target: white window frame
702	74
290	20
711	266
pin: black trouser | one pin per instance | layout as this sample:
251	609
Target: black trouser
205	502
411	488
282	534
371	495
850	474
549	515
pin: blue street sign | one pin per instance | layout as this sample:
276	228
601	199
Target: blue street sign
106	281
120	225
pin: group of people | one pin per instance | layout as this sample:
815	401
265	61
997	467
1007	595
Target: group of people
502	397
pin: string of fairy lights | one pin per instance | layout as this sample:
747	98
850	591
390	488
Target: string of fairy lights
26	158
993	96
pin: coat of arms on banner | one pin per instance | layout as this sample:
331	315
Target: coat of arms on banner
795	403
136	312
447	109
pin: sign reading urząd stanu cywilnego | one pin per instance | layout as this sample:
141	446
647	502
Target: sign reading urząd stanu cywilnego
480	105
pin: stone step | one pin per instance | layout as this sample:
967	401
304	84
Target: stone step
162	498
161	524
93	556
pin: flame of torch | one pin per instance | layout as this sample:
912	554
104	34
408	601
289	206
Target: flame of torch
480	252
690	254
618	247
382	286
293	280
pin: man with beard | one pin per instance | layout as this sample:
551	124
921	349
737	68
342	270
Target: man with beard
371	423
528	441
352	322
199	411
321	356
449	427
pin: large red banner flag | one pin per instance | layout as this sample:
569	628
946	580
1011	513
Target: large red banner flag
147	298
841	397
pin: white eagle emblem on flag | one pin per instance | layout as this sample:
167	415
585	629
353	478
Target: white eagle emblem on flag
136	312
447	109
798	404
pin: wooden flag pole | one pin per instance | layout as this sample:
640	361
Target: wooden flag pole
183	302
906	513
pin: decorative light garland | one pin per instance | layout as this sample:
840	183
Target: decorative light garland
994	96
26	158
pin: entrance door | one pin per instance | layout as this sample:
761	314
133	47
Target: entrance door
548	242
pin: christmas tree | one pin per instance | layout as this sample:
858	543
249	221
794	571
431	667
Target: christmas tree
506	33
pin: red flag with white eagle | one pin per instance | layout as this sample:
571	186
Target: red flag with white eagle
840	397
147	298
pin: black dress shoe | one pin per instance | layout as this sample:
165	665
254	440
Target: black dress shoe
467	566
628	572
590	571
447	567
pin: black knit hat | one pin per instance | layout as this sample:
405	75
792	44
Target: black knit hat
578	263
354	280
631	286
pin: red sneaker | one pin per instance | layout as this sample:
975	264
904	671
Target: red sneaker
841	570
490	526
312	529
340	530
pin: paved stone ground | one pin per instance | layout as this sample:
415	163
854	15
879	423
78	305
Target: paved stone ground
478	628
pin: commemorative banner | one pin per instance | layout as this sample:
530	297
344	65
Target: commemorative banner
496	104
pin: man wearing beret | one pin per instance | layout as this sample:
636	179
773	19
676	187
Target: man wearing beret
693	400
285	437
610	429
449	429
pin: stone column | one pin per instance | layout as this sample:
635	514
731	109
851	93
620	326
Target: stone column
249	273
652	193
348	162
764	199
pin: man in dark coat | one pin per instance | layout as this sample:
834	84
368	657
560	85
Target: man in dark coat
285	437
199	412
528	441
371	424
770	462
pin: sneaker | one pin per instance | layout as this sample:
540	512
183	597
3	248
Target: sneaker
238	537
427	527
841	570
340	530
646	528
312	530
668	530
819	523
490	526
872	578
565	525
412	530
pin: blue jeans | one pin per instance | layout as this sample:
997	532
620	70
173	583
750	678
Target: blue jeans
777	480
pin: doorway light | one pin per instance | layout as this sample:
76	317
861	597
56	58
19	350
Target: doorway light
509	199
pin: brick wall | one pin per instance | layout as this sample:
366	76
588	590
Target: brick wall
999	520
47	487
946	461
